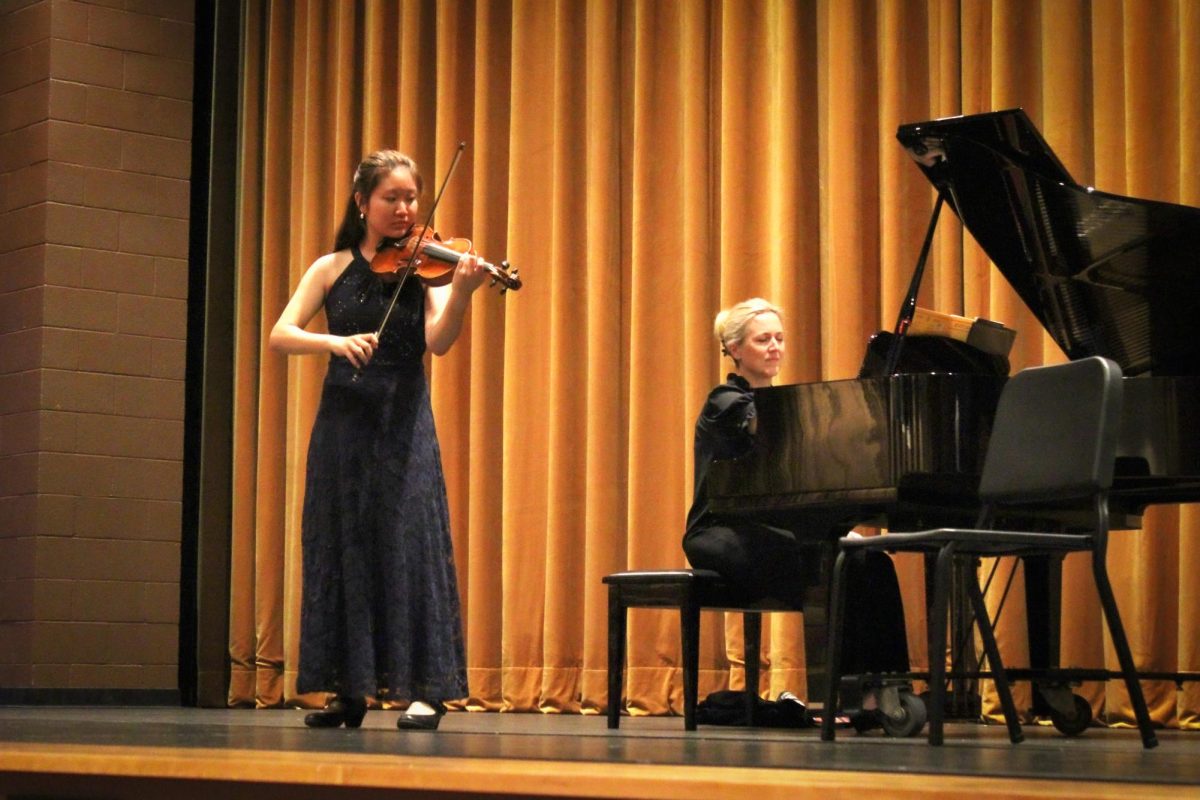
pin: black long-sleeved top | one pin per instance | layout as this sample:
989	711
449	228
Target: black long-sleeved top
722	432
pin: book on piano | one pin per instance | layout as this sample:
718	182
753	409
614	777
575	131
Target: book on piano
984	334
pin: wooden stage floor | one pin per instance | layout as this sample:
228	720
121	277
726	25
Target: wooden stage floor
108	752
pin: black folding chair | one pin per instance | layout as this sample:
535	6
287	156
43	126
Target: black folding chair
1053	446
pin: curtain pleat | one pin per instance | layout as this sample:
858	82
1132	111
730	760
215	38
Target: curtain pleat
671	229
604	336
1188	555
248	293
644	163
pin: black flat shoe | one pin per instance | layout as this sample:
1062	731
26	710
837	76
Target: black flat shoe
422	722
340	711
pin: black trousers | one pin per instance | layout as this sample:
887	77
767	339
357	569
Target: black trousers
765	561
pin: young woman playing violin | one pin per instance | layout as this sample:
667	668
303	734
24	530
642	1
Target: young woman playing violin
380	615
764	560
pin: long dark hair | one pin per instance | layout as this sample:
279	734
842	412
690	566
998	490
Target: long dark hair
368	175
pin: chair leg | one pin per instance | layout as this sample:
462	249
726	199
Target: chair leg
1121	645
833	670
751	648
936	626
617	614
993	653
689	627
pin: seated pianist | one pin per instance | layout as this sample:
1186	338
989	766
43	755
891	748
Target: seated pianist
767	561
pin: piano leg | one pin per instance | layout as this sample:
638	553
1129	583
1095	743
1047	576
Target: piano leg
962	701
816	623
1043	615
751	652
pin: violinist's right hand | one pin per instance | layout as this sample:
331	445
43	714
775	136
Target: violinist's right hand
358	348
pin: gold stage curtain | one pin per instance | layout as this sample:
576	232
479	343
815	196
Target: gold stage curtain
645	163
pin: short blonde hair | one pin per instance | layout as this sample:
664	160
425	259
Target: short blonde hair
730	324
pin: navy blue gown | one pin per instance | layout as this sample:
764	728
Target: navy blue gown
380	614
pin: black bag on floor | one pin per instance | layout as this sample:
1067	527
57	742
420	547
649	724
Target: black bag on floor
728	707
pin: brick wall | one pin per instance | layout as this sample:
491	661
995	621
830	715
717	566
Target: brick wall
95	127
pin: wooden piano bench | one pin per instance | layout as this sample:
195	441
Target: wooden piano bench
691	591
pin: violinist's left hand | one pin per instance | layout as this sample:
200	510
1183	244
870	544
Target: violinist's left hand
447	305
469	275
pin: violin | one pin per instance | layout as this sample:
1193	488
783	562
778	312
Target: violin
433	260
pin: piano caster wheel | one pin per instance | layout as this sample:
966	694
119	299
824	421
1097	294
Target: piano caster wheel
1074	723
1069	712
908	720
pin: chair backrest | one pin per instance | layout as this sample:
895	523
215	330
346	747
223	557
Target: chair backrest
1055	433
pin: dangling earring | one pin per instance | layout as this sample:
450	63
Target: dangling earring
361	215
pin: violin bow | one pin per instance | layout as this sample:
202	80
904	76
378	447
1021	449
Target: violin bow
428	222
413	257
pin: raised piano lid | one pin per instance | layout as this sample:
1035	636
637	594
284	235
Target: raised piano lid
1105	274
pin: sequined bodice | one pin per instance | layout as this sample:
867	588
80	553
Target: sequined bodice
357	302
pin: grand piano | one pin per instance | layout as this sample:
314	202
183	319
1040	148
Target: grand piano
903	448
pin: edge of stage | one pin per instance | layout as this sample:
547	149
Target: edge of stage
120	752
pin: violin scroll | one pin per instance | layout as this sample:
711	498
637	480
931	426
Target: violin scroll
511	279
